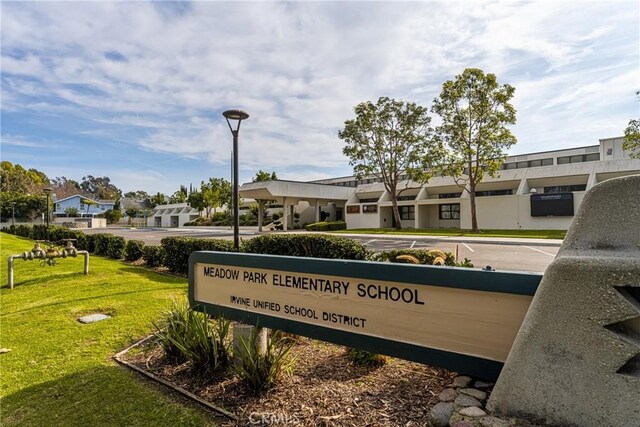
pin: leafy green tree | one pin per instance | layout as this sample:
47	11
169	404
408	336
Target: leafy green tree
131	214
100	188
15	178
138	195
196	200
25	206
88	203
72	212
391	140
178	197
64	187
112	216
215	193
158	199
262	176
632	137
475	110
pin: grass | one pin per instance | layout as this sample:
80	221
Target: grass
532	234
59	372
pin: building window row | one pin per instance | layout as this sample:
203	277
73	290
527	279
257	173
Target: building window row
450	211
565	188
401	198
580	158
508	192
449	195
371	200
528	164
407	212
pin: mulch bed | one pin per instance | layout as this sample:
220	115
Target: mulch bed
325	389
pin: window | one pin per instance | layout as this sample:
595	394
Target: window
370	200
579	158
450	211
400	198
353	209
82	206
528	164
609	151
407	212
369	208
565	188
508	192
547	162
449	195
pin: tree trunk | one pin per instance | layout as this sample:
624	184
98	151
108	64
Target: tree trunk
396	213
472	198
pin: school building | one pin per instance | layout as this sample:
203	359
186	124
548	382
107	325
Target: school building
532	191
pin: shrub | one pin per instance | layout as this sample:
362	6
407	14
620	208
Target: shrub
365	358
112	216
101	243
39	232
424	256
262	371
115	247
178	249
88	243
306	245
153	256
188	335
23	230
133	250
326	226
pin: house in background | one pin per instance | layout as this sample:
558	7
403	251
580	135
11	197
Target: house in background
86	206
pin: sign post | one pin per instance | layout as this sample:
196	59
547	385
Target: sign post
456	318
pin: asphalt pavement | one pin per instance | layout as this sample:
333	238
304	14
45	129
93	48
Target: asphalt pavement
514	254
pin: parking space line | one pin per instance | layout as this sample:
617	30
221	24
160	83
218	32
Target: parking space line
538	250
370	241
412	245
467	246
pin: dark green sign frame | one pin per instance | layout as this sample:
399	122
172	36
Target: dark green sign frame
517	283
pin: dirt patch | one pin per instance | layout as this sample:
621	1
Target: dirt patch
325	389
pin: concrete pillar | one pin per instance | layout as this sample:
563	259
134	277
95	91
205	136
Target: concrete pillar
317	208
260	214
243	333
576	358
285	214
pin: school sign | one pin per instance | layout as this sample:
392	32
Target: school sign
457	318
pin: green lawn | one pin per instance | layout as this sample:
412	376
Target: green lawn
533	234
59	372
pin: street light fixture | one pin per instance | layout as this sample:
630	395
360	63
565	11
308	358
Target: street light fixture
235	116
48	192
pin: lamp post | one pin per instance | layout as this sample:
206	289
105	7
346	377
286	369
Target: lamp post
48	192
235	116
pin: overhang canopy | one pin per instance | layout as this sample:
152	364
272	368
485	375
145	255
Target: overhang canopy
294	191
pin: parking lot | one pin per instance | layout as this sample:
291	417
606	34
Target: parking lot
508	254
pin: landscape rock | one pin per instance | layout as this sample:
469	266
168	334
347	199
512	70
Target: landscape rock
461	381
466	400
478	394
448	395
440	414
482	384
472	411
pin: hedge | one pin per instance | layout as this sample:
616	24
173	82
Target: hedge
326	226
115	247
133	250
153	256
306	245
178	249
101	243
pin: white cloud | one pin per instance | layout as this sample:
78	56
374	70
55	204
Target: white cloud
164	72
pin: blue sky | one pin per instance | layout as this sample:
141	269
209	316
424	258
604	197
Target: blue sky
135	90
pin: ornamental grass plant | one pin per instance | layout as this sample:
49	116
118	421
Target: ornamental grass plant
187	335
